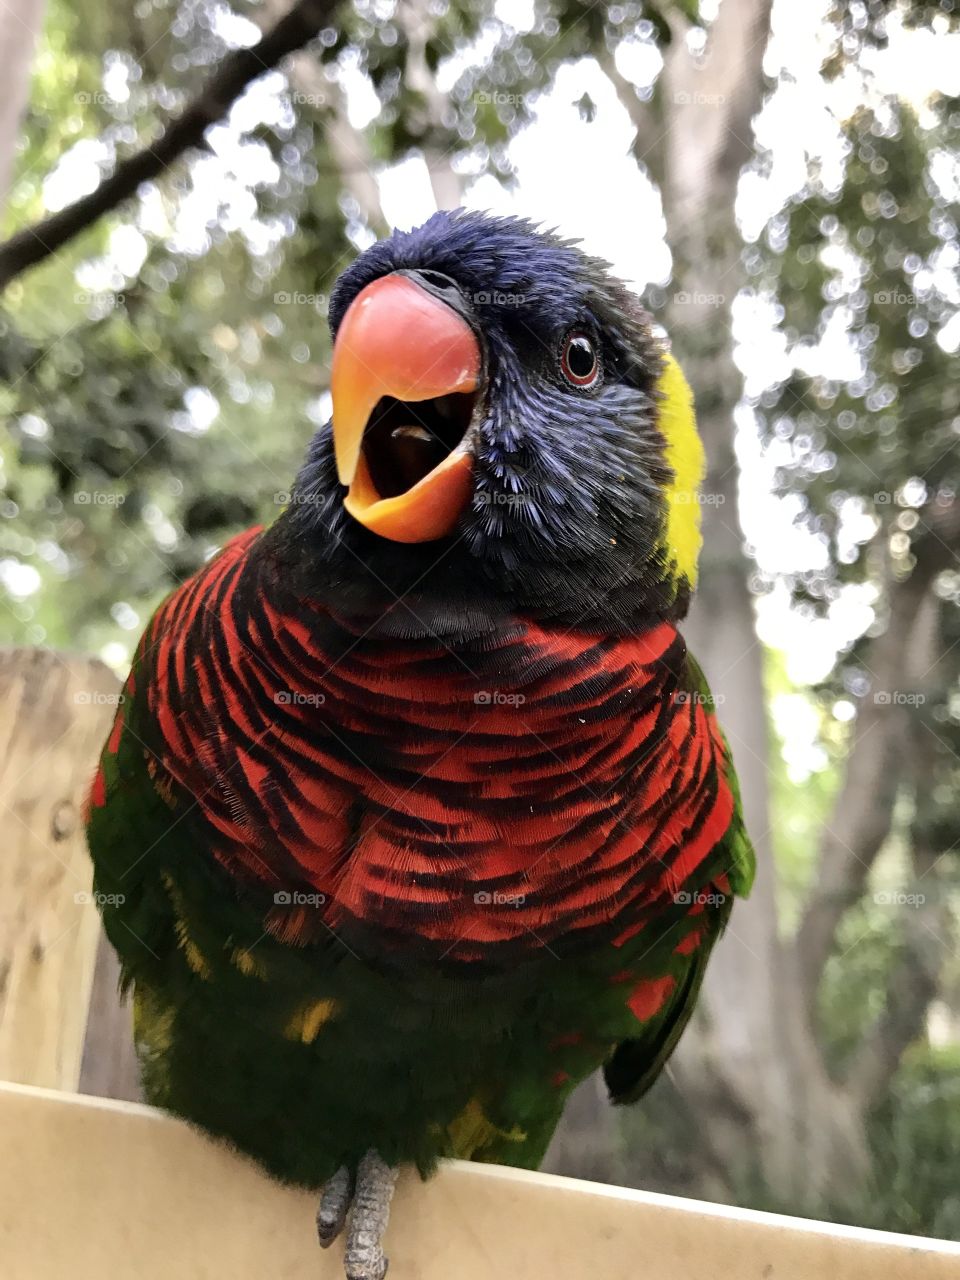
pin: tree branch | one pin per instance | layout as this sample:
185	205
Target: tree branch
236	72
645	116
18	32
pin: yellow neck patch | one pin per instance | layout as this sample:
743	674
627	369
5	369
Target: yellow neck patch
685	457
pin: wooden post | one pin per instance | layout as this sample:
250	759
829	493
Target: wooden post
109	1068
55	713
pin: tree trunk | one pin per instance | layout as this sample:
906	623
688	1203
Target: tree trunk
756	1057
19	28
586	1143
417	18
752	1098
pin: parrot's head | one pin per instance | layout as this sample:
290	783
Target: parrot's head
506	427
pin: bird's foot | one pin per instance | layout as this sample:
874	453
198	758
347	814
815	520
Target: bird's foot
370	1194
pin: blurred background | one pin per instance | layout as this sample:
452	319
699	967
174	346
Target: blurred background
780	181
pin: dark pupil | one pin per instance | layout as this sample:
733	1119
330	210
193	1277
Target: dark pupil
580	358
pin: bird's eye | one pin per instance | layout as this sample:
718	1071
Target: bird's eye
579	362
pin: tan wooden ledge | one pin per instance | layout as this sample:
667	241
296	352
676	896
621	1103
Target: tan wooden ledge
91	1188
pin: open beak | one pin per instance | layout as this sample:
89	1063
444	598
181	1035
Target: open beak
406	369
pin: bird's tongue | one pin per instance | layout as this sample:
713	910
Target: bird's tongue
410	454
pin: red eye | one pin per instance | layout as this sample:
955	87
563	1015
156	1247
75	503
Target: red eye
578	360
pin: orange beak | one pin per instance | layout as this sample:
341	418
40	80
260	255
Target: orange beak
402	357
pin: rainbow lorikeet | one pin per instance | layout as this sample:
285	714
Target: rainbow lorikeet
416	811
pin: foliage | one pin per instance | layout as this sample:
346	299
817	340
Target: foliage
875	458
915	1136
95	365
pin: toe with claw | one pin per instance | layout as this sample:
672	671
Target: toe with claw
367	1197
334	1203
